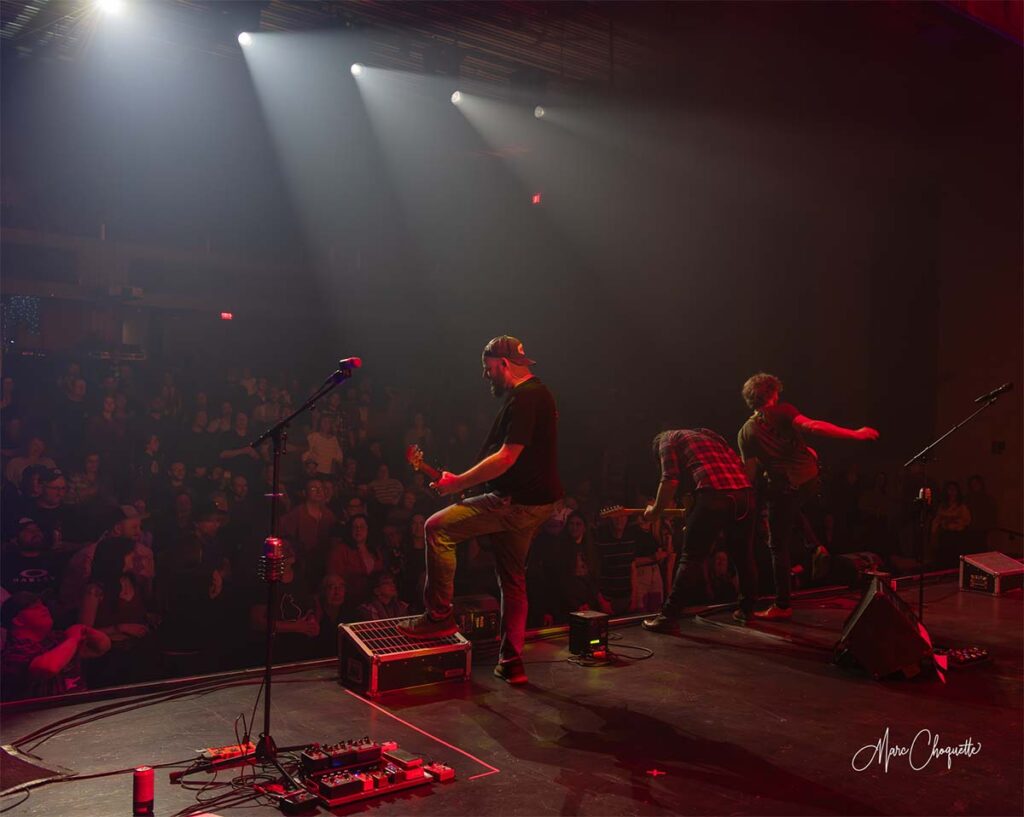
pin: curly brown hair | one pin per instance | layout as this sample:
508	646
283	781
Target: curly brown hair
760	388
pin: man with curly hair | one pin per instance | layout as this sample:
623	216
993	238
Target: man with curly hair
773	449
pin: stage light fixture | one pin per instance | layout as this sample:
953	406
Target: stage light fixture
538	112
245	39
112	7
357	69
457	98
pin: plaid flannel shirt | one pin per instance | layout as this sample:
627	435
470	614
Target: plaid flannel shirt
704	456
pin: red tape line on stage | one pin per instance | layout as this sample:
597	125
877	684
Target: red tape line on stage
488	766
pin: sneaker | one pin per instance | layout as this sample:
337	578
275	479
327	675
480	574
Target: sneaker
775	612
661	624
511	672
426	626
740	617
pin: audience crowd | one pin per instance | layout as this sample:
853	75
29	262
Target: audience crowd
134	510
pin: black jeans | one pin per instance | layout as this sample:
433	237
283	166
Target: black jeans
784	509
728	512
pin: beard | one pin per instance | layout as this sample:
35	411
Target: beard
497	389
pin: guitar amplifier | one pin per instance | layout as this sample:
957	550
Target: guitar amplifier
374	657
993	573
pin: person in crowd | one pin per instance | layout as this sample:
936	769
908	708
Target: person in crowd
384	601
21	501
724	504
949	526
29	564
70	416
385	493
773	450
297	625
400	514
148	467
355	557
236	453
122	522
34	454
38	661
114	603
521	471
616	550
333	610
49	510
645	571
308	526
106	433
723	585
88	484
195	618
461	450
984	513
196	443
577	567
324	447
223	422
347	486
419	433
172	526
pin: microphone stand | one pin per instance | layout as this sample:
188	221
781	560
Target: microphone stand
272	561
923	502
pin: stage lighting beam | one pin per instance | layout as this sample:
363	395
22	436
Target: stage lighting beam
538	112
112	7
357	69
245	39
457	98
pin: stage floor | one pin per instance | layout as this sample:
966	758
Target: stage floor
722	719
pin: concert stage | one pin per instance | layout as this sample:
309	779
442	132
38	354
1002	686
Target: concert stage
721	719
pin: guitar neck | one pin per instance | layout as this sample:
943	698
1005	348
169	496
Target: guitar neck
432	473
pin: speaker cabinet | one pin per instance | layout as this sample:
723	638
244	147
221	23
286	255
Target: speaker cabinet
884	636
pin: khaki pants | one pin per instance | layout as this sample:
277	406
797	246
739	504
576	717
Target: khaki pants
511	528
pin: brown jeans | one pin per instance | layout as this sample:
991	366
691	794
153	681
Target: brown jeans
511	528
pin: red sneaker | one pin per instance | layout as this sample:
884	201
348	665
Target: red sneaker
774	612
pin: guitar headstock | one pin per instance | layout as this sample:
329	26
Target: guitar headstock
414	456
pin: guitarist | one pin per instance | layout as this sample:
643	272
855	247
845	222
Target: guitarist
519	465
772	446
724	502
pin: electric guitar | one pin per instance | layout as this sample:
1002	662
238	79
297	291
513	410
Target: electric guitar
617	510
414	456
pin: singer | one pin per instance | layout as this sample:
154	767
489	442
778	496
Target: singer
519	467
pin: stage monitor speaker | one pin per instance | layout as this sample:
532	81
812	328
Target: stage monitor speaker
884	636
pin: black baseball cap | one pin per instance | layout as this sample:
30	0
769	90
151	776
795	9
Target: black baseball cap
14	605
508	347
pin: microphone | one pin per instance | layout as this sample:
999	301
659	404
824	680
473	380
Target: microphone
994	393
351	363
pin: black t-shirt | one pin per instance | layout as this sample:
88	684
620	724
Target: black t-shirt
770	436
528	417
31	574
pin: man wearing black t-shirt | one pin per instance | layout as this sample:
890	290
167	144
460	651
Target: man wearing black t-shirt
772	448
519	464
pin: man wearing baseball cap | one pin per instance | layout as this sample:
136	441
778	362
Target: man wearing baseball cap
38	660
518	465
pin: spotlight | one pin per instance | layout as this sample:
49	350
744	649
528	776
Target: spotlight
245	39
112	7
457	98
538	112
357	69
